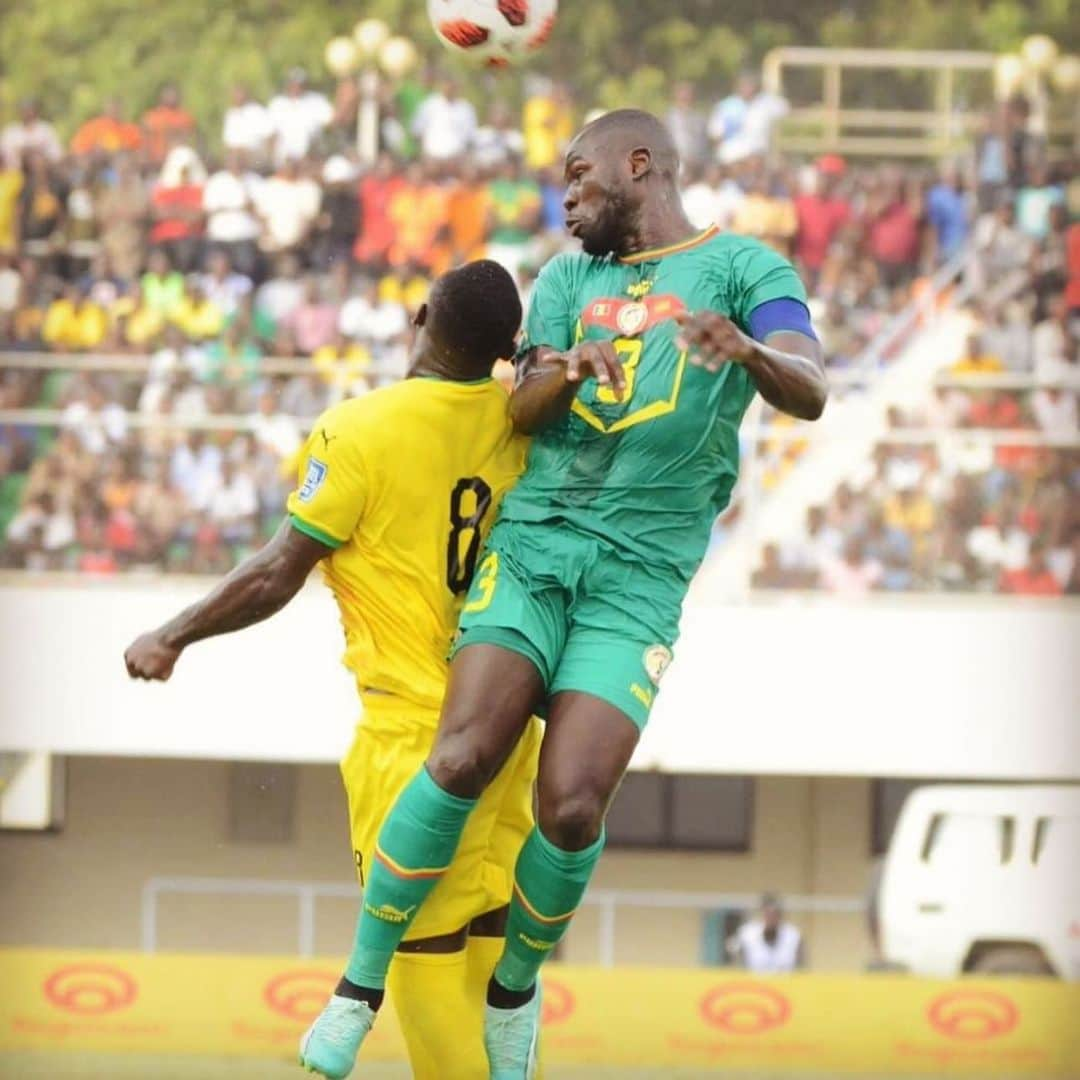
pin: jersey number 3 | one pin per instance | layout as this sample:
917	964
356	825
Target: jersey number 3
469	502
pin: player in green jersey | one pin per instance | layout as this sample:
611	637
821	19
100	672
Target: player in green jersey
642	355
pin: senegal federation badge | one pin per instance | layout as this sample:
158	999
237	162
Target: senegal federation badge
631	318
656	659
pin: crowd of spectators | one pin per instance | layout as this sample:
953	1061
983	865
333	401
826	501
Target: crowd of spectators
979	490
254	275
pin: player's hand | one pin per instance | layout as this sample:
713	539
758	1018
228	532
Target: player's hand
598	360
713	340
149	657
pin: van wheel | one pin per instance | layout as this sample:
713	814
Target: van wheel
1011	960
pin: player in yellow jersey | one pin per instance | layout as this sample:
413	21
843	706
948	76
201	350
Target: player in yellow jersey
396	493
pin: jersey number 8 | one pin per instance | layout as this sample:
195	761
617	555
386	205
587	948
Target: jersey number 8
469	502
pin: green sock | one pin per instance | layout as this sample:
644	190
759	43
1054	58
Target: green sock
548	886
416	845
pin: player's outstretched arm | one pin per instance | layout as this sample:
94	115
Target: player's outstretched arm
789	372
260	586
548	381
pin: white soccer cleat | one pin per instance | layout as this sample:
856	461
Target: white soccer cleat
511	1037
329	1047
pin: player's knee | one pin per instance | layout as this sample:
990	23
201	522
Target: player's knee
460	765
572	821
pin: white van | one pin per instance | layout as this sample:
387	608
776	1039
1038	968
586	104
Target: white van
984	878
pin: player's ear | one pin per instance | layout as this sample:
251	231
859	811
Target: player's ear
640	162
420	317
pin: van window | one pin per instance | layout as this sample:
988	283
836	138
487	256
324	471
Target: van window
968	839
1056	842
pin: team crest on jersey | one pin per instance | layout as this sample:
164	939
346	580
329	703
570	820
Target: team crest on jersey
313	479
656	659
631	318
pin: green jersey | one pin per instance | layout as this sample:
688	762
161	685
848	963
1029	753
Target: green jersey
648	474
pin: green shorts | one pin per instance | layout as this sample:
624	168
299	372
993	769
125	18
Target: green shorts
587	616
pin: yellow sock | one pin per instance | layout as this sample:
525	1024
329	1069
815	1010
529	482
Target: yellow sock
441	1012
484	954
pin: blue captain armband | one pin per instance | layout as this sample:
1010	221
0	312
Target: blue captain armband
782	314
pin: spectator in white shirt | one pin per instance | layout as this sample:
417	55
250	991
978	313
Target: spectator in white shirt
297	115
196	468
30	134
289	205
820	544
712	198
374	322
742	123
768	944
232	223
1054	344
498	139
96	422
282	294
1055	410
234	504
1000	546
274	431
247	124
222	285
444	123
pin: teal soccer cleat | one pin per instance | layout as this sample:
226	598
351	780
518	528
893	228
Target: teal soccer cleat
329	1046
511	1037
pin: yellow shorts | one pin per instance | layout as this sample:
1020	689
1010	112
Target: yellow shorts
392	742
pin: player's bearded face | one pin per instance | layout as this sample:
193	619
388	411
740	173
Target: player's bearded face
599	209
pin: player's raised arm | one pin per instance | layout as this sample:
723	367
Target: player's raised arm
260	586
788	372
548	381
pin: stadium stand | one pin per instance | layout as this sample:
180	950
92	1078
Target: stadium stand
172	319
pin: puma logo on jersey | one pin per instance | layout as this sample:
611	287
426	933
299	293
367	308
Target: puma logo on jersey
389	913
643	695
327	439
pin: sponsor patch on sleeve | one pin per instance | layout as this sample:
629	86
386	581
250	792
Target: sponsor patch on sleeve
313	479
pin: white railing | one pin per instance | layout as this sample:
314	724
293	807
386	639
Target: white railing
307	893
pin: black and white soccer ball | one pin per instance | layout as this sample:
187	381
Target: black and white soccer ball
493	32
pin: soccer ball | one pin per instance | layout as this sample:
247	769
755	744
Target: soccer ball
493	32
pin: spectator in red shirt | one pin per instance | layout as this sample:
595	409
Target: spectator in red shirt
377	189
894	226
1035	579
167	118
177	210
821	213
107	133
1072	257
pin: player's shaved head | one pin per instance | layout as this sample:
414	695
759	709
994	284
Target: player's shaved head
622	131
471	319
621	175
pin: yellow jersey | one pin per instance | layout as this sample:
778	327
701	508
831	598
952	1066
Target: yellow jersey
404	483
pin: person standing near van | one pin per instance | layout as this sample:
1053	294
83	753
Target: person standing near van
768	943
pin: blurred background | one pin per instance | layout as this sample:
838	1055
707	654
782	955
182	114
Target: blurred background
218	220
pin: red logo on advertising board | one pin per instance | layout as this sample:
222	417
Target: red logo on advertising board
973	1015
299	995
745	1008
558	1003
90	989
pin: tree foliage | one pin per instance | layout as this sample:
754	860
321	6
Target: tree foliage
75	53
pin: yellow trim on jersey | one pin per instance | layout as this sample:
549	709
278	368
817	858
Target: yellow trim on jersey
671	249
639	416
549	920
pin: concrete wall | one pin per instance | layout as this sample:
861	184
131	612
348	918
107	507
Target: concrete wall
131	819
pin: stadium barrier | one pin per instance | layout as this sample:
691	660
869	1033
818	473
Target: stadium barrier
257	1006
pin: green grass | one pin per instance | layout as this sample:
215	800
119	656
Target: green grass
74	1066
